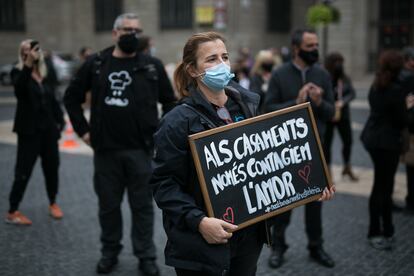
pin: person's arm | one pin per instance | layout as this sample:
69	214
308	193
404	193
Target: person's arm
21	80
348	93
75	96
325	110
171	166
399	115
166	92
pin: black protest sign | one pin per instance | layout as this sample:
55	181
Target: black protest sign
260	167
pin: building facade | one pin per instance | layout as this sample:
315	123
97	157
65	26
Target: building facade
365	27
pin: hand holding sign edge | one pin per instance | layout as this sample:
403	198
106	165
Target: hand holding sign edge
216	231
328	194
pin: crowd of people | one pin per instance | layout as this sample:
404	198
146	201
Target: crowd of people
149	159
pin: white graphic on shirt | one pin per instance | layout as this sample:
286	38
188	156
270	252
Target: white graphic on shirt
119	81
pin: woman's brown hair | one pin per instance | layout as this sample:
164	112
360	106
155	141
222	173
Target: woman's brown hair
182	78
390	64
331	60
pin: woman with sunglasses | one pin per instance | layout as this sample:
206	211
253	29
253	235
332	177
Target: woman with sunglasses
197	244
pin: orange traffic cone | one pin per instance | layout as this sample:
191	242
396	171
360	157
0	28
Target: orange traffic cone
69	141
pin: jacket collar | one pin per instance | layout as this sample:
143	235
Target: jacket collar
248	101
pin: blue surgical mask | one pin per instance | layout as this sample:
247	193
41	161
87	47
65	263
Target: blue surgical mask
217	77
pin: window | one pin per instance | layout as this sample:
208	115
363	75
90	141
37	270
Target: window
176	14
106	12
12	15
395	24
278	15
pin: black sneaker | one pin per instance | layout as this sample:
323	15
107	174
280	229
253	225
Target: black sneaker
106	265
148	267
276	258
321	257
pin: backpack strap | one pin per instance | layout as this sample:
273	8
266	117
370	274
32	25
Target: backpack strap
203	116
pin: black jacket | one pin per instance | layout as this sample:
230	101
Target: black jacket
150	81
37	106
176	187
284	87
406	78
387	118
256	85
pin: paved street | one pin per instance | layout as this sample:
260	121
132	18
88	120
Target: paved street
71	246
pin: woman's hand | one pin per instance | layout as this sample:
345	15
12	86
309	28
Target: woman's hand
216	231
328	194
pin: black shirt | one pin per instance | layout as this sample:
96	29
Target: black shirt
119	127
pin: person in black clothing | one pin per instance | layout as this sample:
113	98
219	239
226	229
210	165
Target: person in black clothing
38	123
407	79
260	75
197	244
344	93
298	81
125	86
381	137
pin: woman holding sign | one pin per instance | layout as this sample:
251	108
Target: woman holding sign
197	244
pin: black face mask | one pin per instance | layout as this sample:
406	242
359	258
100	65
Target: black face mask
267	66
309	57
128	43
338	70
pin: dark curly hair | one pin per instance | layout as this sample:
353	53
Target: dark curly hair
390	63
331	60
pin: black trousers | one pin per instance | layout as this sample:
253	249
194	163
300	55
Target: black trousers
409	200
115	172
29	147
313	224
380	201
245	247
345	132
